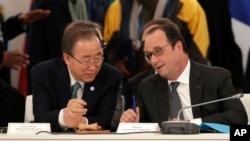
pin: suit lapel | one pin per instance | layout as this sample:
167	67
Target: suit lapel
63	87
91	89
196	86
162	98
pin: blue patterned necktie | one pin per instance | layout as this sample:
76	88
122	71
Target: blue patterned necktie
175	103
74	89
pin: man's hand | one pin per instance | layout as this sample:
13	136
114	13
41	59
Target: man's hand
175	119
130	115
73	113
15	59
33	16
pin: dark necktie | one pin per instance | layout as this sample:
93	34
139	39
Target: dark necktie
175	103
74	89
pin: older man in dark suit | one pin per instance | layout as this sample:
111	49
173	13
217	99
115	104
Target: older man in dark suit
44	38
165	50
82	65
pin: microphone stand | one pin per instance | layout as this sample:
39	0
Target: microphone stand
183	127
209	102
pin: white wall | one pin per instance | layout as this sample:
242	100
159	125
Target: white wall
242	38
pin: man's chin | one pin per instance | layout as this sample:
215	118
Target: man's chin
88	79
162	74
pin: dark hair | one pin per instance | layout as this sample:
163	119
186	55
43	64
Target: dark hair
170	29
160	21
77	30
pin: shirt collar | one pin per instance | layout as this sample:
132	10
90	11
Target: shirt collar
73	80
184	77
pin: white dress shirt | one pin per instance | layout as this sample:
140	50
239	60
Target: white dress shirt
183	91
79	96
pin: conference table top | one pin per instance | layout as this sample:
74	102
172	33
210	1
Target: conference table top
117	137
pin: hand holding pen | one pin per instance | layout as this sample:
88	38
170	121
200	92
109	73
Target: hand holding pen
131	115
134	103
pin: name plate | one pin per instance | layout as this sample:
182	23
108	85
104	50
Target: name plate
137	127
27	128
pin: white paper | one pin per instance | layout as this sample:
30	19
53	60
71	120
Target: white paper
137	127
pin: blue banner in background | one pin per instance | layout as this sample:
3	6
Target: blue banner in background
240	10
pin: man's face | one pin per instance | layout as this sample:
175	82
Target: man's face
161	55
86	61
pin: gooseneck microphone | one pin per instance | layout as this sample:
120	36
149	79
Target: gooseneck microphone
184	127
209	102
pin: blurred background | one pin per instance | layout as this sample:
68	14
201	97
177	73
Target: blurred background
240	24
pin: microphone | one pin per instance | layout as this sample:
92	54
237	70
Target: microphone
184	127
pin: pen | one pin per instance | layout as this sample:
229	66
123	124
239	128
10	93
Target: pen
134	103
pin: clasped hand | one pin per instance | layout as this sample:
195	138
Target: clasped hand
74	112
15	59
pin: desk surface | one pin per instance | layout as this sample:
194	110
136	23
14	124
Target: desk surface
123	137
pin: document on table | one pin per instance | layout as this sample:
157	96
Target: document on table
215	127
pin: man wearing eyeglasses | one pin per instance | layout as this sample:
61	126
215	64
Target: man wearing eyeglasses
165	50
56	99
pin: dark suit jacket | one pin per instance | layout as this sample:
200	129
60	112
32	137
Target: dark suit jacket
1	51
206	84
12	104
51	93
44	37
133	84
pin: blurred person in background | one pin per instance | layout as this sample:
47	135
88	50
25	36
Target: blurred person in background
10	97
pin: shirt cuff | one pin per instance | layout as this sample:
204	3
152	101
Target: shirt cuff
61	122
86	120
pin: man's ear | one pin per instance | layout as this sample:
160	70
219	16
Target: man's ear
66	58
179	45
